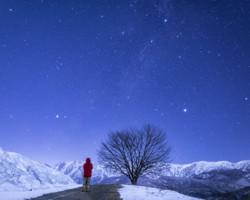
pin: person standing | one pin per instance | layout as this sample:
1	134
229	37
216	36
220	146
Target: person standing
87	173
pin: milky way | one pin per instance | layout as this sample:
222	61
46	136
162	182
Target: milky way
71	71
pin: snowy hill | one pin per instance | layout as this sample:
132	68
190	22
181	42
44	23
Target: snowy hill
130	192
202	179
206	179
20	173
201	167
74	170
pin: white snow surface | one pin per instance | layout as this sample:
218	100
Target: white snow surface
22	195
19	173
130	192
196	168
71	168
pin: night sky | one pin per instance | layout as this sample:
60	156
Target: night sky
73	70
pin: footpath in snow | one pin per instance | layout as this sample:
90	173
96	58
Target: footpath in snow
127	192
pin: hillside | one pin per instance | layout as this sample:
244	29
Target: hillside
201	179
18	172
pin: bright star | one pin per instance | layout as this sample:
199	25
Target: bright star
185	110
57	116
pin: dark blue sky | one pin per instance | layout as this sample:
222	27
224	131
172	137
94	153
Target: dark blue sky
71	71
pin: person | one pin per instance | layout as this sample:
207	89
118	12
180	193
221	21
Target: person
87	173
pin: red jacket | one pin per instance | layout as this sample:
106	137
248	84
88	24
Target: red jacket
87	168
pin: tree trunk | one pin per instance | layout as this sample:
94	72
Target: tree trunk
134	180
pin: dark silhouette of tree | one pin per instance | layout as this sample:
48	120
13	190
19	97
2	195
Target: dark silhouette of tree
135	152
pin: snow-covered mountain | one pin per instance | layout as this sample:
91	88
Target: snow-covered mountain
202	179
75	171
202	167
20	173
72	169
206	179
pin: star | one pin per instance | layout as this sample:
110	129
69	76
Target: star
185	110
246	98
11	9
57	116
165	20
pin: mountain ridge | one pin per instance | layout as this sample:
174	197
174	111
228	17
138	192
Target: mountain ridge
201	179
18	172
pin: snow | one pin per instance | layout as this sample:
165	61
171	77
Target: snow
102	175
23	176
19	173
130	192
74	170
22	195
196	168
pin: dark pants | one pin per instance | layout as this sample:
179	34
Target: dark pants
86	183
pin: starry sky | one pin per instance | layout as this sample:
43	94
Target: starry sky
73	70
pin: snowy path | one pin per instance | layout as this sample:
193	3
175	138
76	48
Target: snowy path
101	192
98	192
74	194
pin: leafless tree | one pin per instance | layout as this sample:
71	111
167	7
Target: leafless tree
135	152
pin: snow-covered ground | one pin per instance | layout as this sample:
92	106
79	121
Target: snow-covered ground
130	192
22	195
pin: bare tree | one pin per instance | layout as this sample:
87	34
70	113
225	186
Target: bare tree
135	152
